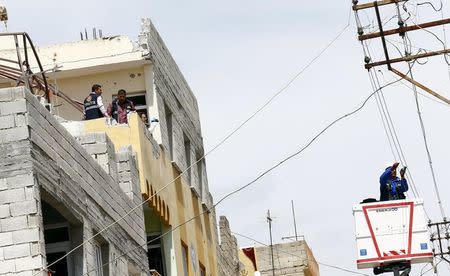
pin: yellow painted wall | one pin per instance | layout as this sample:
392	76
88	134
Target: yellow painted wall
248	268
182	203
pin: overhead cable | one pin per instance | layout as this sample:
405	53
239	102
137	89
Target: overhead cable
261	175
300	257
226	138
430	162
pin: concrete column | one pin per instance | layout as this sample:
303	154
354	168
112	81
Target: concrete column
22	250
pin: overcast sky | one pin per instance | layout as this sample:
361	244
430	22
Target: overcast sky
237	54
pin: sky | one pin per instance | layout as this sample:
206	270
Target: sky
235	55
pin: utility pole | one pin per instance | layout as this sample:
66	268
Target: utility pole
442	235
401	31
269	220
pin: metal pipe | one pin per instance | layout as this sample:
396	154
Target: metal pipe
295	224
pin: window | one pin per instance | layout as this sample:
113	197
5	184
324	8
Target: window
98	259
155	253
200	175
184	251
169	130
138	100
187	149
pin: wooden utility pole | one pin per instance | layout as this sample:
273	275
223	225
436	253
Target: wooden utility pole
442	237
402	30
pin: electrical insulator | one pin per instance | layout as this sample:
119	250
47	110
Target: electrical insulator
367	59
355	2
360	31
401	23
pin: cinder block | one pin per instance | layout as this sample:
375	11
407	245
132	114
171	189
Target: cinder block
25	236
28	263
14	223
23	208
126	186
36	248
5	95
12	195
19	181
21	119
16	251
92	137
6	238
102	158
95	148
12	107
6	121
33	221
3	184
7	266
4	211
14	134
18	92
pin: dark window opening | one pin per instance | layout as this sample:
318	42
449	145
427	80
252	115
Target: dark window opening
169	130
60	268
155	254
187	149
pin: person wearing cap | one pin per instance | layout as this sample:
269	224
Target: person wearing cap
392	187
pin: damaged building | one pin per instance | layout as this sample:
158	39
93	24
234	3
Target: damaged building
89	197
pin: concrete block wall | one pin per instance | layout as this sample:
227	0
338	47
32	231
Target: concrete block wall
290	259
101	148
21	229
129	174
173	91
38	154
228	258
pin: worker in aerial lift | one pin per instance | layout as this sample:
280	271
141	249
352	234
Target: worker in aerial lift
392	187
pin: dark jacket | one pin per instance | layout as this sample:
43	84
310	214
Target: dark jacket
91	108
392	189
129	106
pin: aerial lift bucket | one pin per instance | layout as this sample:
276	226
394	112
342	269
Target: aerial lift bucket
391	232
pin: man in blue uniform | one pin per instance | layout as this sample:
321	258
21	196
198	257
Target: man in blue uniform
392	187
93	104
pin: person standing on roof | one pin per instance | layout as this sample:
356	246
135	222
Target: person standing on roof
121	107
93	104
392	187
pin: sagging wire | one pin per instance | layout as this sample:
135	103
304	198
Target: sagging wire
423	126
391	131
300	257
431	4
261	175
219	144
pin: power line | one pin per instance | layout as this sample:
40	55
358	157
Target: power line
226	138
295	255
259	176
419	113
391	131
